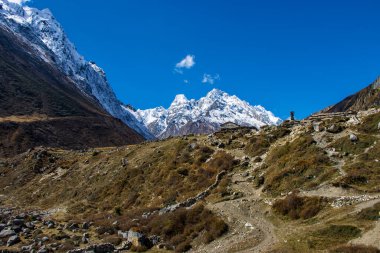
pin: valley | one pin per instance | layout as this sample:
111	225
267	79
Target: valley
81	171
267	201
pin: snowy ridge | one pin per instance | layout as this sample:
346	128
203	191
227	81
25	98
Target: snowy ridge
41	30
205	115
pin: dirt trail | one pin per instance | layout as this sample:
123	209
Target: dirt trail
249	229
370	238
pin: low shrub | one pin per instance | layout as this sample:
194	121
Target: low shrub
355	249
113	239
181	226
371	213
297	164
297	207
331	236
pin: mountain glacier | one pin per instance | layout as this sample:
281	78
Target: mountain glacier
205	115
41	30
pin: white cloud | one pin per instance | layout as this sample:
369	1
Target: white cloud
186	81
20	2
207	78
186	63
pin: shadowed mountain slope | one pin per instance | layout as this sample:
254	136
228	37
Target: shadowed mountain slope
41	106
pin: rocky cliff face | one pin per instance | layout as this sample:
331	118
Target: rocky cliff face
46	36
362	100
205	115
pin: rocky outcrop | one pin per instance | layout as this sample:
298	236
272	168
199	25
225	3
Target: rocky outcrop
362	100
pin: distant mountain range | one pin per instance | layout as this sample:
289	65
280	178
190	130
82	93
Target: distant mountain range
202	116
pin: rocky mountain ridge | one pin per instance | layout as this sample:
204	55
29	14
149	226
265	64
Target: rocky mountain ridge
46	36
362	100
41	106
190	116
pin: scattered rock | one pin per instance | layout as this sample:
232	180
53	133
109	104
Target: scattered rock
334	129
221	145
124	162
125	245
139	240
245	174
193	145
7	233
100	248
245	164
13	240
353	138
260	180
85	225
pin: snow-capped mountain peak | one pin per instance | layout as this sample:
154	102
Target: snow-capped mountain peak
205	115
42	31
215	93
179	99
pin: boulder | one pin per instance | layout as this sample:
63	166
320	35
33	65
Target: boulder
353	138
18	222
29	225
155	239
334	128
124	162
193	145
85	225
125	245
7	233
138	239
13	240
221	145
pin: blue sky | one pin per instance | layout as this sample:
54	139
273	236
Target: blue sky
285	55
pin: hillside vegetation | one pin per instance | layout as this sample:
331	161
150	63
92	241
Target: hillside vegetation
310	186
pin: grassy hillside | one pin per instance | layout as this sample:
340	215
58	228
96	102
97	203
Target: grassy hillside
292	188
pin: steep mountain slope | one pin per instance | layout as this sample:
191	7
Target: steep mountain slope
41	106
204	115
362	100
42	31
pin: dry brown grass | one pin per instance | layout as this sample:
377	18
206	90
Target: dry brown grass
157	174
177	228
298	164
355	249
259	144
296	207
363	173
